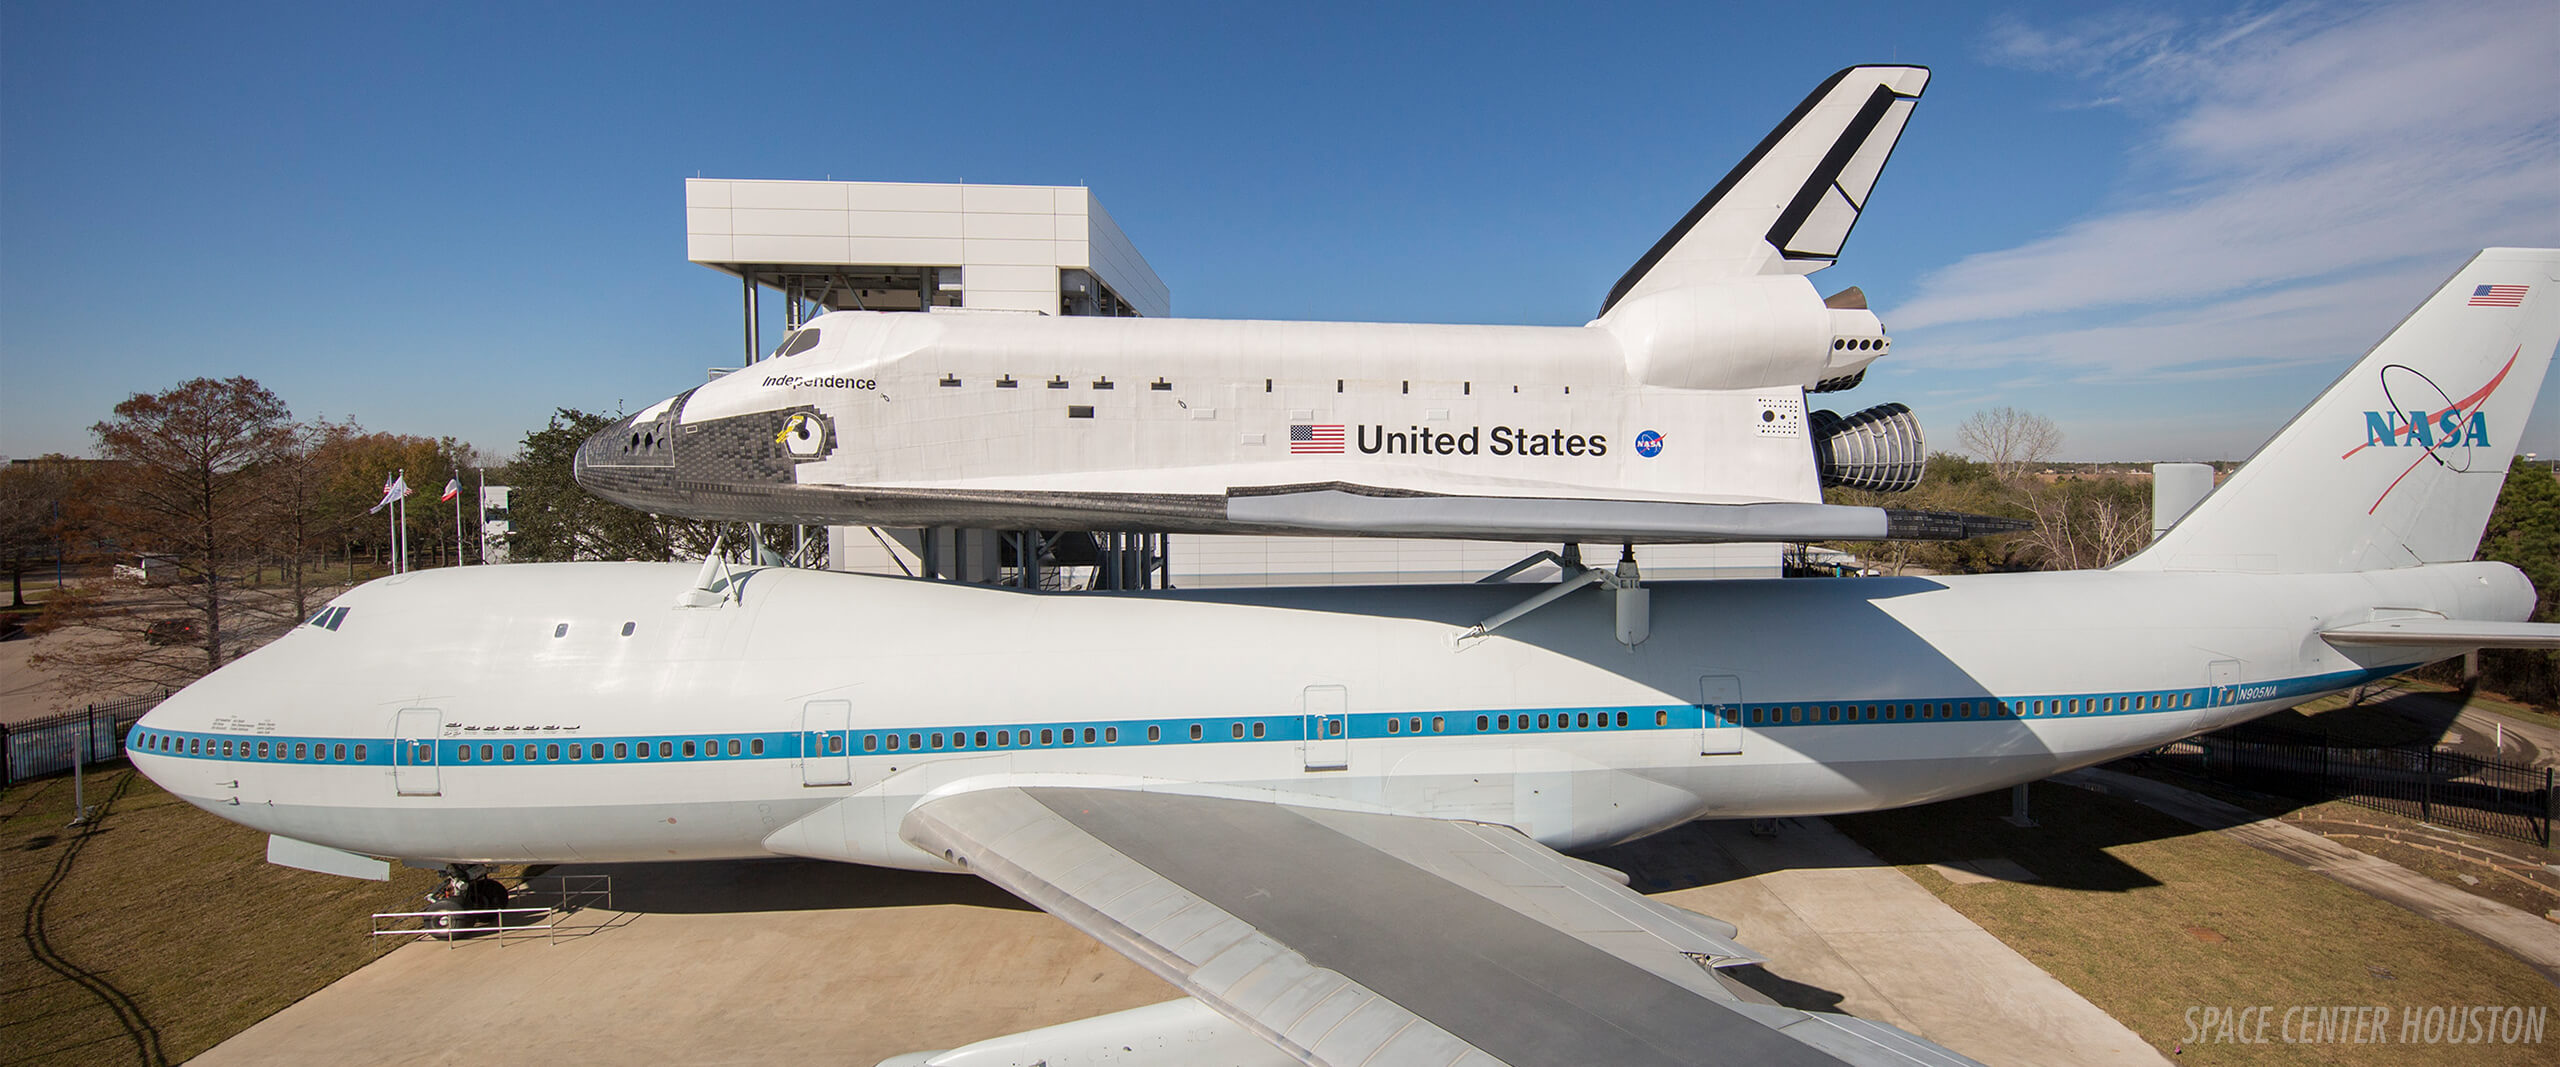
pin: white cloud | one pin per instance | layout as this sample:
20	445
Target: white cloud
2313	154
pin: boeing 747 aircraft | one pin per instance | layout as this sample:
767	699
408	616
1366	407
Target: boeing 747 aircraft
1337	818
1680	414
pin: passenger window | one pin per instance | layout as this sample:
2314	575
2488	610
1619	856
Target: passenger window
359	753
576	753
1584	719
1155	733
937	740
1195	731
510	753
1004	738
1257	731
1622	718
893	742
915	741
835	745
297	751
1235	730
666	750
339	753
561	630
1110	735
1088	735
1661	718
755	746
551	752
871	742
688	750
1391	726
982	739
1542	722
733	746
1502	722
1047	737
620	751
1480	724
1438	724
1755	716
466	753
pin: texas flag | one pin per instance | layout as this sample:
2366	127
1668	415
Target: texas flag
452	489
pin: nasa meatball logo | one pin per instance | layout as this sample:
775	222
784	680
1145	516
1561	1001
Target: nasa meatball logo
1648	444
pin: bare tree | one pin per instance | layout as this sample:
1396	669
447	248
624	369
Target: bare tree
2009	440
32	496
189	489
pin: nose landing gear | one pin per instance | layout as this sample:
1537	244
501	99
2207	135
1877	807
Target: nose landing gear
466	901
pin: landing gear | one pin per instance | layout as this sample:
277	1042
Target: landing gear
466	900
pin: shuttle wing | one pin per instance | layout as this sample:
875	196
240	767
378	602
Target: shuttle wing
1352	510
1357	938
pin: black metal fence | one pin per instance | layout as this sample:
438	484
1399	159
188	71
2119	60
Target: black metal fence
2483	796
40	747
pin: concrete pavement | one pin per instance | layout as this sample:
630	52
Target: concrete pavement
800	961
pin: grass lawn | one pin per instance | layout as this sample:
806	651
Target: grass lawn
2148	917
162	930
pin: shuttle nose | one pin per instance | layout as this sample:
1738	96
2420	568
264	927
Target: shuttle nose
632	462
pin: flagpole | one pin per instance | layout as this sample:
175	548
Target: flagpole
457	522
403	505
481	511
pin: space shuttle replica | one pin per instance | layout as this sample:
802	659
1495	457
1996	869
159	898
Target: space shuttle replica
1680	414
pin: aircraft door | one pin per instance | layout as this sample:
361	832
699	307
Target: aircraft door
1720	715
413	753
1328	727
826	756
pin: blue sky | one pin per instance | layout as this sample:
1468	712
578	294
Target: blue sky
2165	226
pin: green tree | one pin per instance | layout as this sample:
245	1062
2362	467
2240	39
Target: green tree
557	519
2524	533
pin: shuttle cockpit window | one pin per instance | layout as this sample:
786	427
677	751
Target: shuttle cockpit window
800	340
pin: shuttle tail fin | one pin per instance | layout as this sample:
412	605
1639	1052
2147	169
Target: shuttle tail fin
2398	463
1788	206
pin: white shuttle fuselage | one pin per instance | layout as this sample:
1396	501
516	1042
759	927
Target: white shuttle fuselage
1689	388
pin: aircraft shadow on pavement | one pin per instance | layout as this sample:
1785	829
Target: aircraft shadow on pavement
758	885
2070	847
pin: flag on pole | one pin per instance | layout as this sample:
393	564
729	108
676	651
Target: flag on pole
452	489
393	488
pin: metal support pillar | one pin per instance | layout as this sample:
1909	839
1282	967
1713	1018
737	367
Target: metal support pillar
747	303
2018	808
790	304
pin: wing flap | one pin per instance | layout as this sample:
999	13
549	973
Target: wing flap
2447	633
1359	938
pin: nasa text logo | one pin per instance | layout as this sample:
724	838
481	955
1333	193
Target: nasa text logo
1649	444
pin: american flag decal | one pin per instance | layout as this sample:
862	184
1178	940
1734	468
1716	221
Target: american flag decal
1305	438
2498	296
